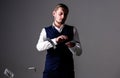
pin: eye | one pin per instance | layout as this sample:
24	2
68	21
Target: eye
60	13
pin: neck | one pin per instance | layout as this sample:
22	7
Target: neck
58	24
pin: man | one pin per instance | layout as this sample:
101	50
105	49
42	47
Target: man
60	41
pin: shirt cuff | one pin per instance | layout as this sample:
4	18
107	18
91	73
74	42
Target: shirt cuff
53	44
76	49
54	41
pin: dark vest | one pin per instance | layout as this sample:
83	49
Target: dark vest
59	59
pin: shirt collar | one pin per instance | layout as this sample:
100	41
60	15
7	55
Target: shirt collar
59	29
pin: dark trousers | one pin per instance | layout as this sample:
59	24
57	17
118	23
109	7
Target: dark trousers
59	74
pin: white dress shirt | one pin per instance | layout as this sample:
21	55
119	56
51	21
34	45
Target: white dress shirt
44	44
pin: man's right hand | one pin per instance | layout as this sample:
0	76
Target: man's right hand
61	38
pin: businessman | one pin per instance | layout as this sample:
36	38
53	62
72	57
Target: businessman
60	41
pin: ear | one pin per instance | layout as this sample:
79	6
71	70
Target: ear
53	13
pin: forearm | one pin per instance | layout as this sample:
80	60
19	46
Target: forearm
44	45
76	49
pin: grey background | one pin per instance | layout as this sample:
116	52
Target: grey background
98	24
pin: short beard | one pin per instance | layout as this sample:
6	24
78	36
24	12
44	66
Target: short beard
62	22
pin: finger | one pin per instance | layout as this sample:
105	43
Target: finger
63	36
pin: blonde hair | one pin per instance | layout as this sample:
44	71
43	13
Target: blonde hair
65	8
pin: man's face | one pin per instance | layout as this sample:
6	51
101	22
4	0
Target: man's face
60	15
